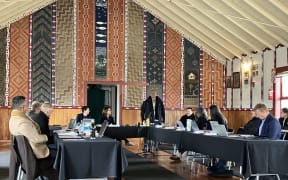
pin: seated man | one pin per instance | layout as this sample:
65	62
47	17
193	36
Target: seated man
20	124
251	127
269	127
188	115
84	114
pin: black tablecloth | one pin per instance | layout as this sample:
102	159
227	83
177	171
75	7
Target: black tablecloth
124	132
170	136
84	158
254	154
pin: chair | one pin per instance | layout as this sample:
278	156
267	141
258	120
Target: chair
22	160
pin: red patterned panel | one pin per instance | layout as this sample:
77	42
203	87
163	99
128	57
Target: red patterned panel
218	83
85	46
116	40
206	80
173	69
18	75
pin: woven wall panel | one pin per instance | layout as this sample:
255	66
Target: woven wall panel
116	40
134	54
155	55
173	69
85	46
3	46
64	52
191	67
19	43
41	54
218	83
206	80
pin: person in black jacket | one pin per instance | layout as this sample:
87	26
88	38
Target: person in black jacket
107	115
84	114
42	118
154	110
189	115
252	127
284	118
202	118
216	115
220	167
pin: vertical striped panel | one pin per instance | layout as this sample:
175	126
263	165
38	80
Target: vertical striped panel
134	54
85	46
3	46
155	51
53	54
173	69
207	83
218	83
116	44
41	54
18	75
101	39
64	52
191	68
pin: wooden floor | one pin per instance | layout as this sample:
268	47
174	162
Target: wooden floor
182	168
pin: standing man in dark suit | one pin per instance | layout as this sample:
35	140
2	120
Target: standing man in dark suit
270	126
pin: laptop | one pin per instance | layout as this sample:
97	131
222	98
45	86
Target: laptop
221	130
214	125
103	128
180	125
194	126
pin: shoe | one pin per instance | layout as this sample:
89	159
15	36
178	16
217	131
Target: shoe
175	158
129	143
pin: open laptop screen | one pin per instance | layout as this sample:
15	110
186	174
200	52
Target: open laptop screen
103	128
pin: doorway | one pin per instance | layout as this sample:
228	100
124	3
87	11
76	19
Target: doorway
99	95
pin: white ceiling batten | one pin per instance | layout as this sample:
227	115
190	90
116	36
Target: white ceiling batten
11	11
223	28
268	37
199	30
180	27
236	27
228	30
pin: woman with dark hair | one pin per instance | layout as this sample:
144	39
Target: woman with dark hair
284	118
107	115
201	118
216	115
219	169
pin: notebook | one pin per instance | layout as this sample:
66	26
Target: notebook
103	128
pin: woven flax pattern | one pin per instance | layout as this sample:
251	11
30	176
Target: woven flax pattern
85	47
173	68
3	45
18	75
154	53
116	44
41	54
206	80
135	54
218	83
64	52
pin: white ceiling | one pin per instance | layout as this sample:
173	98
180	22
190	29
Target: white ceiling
13	10
224	28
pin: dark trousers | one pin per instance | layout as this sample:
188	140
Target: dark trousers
45	168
